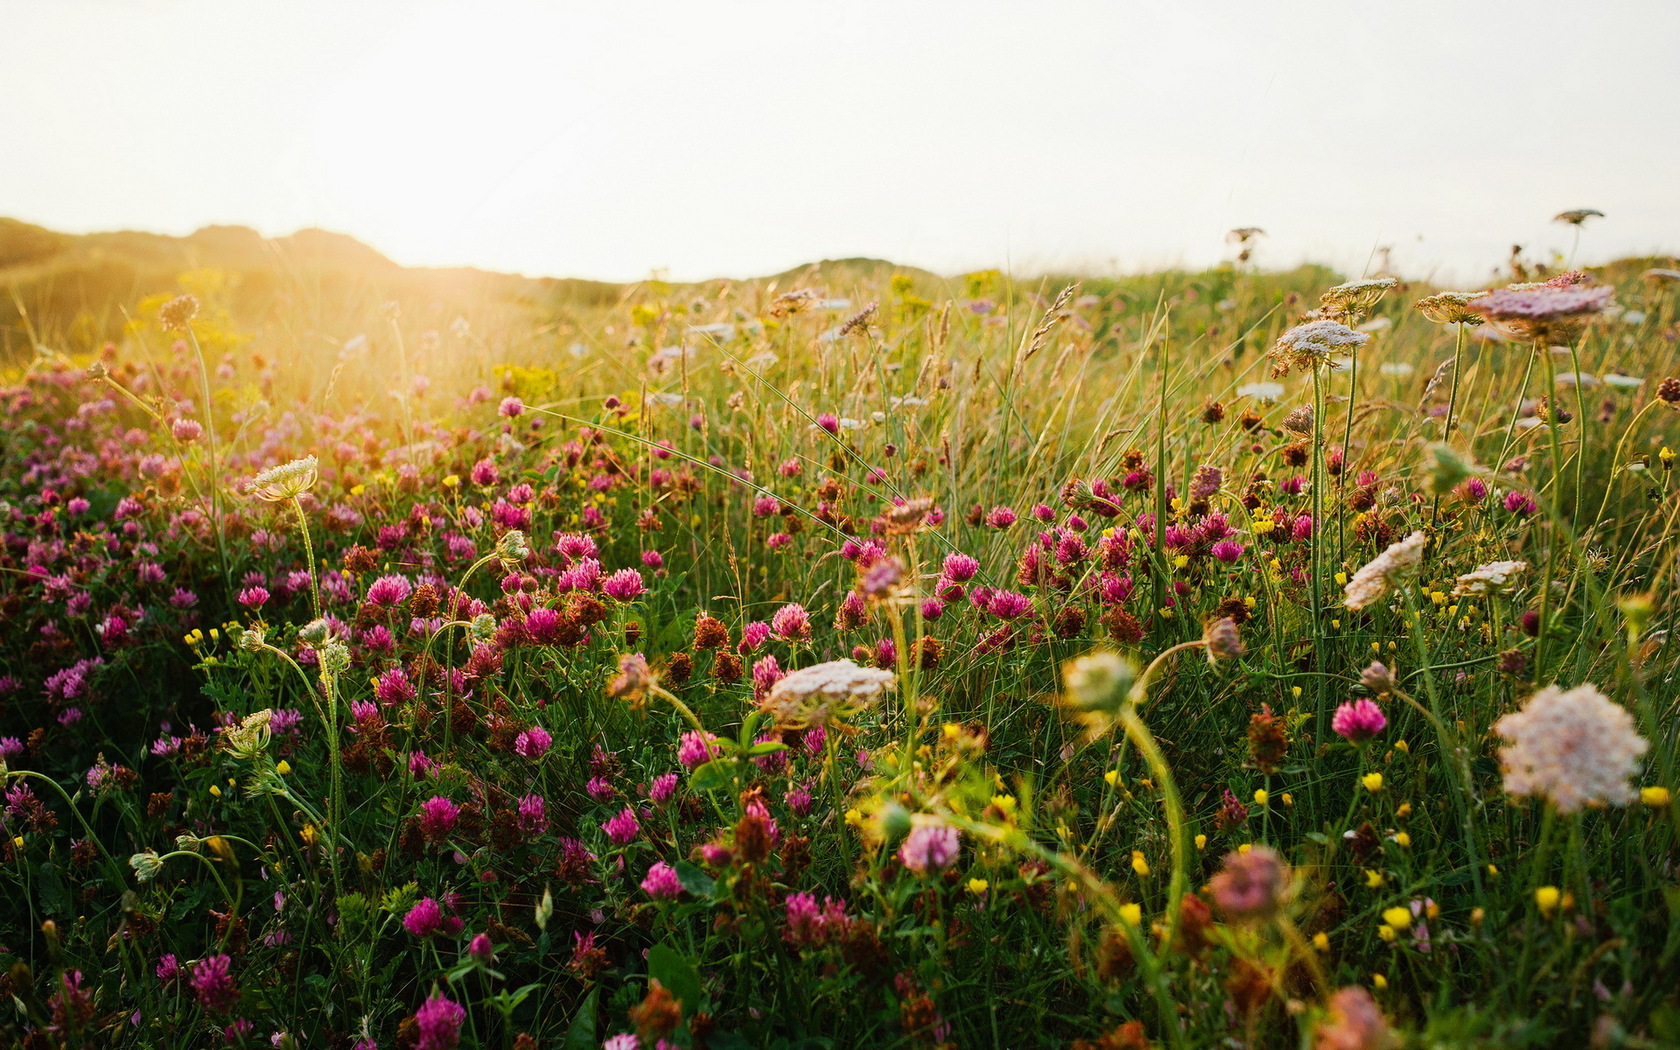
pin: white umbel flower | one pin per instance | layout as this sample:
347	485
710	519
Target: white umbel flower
286	481
1373	581
824	692
1491	578
1574	747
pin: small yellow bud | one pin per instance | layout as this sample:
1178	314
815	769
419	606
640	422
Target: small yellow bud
1342	578
1131	914
1493	871
1373	782
1397	917
452	481
1403	810
1374	879
1547	898
1245	847
1181	561
282	767
216	790
308	835
1112	777
1321	941
951	730
357	490
1432	910
1403	840
1295	691
1654	796
1139	864
1288	799
978	886
18	841
1386	933
1402	746
1005	803
1260	796
1201	842
854	817
1477	916
1379	982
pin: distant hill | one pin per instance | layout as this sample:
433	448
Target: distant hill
76	287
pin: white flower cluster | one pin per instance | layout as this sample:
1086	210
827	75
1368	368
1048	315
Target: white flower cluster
817	694
1373	581
1574	747
1491	578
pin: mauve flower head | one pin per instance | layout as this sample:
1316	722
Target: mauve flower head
662	883
1251	886
1000	517
625	585
600	789
754	635
1353	1021
623	828
1358	721
168	969
1227	551
480	950
533	742
663	787
533	814
1520	503
388	591
791	623
829	422
253	597
799	801
212	982
960	568
511	407
437	818
929	847
693	751
653	559
1008	605
932	609
426	919
438	1023
186	430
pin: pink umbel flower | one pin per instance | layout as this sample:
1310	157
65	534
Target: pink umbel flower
1358	721
662	883
439	1023
929	847
1574	747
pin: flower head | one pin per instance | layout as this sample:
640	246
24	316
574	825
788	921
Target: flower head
286	481
662	883
212	981
1251	886
1451	308
1544	311
1353	1022
1312	345
1574	747
930	846
1375	579
1358	720
439	1023
1491	578
823	693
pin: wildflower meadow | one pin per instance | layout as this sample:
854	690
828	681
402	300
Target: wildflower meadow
854	658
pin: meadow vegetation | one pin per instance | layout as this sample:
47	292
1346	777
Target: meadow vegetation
850	658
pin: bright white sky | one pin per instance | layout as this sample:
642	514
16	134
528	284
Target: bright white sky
611	138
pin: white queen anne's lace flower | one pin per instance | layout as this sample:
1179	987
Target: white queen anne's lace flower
818	694
1312	345
1491	578
287	480
1574	747
1373	581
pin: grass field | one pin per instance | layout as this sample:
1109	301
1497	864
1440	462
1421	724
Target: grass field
851	659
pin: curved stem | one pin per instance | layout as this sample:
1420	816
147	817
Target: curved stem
309	556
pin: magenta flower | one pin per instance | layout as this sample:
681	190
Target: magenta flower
389	590
426	919
600	789
212	981
929	847
533	742
623	828
511	407
1252	885
1358	720
960	568
625	585
253	597
437	818
829	422
791	623
186	431
439	1024
1227	551
692	751
480	950
169	969
663	787
1000	517
533	814
662	883
1008	605
754	635
1519	503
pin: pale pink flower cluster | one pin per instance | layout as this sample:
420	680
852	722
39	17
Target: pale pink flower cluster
1575	747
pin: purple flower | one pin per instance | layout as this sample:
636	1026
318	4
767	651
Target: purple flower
1008	605
1000	517
754	635
1358	720
663	787
960	568
623	828
829	422
480	950
625	585
253	597
1520	503
692	751
439	1022
426	919
437	818
511	407
388	591
662	883
1227	551
212	982
929	847
791	623
533	814
600	789
169	969
533	742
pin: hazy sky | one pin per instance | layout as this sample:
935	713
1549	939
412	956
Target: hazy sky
612	138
